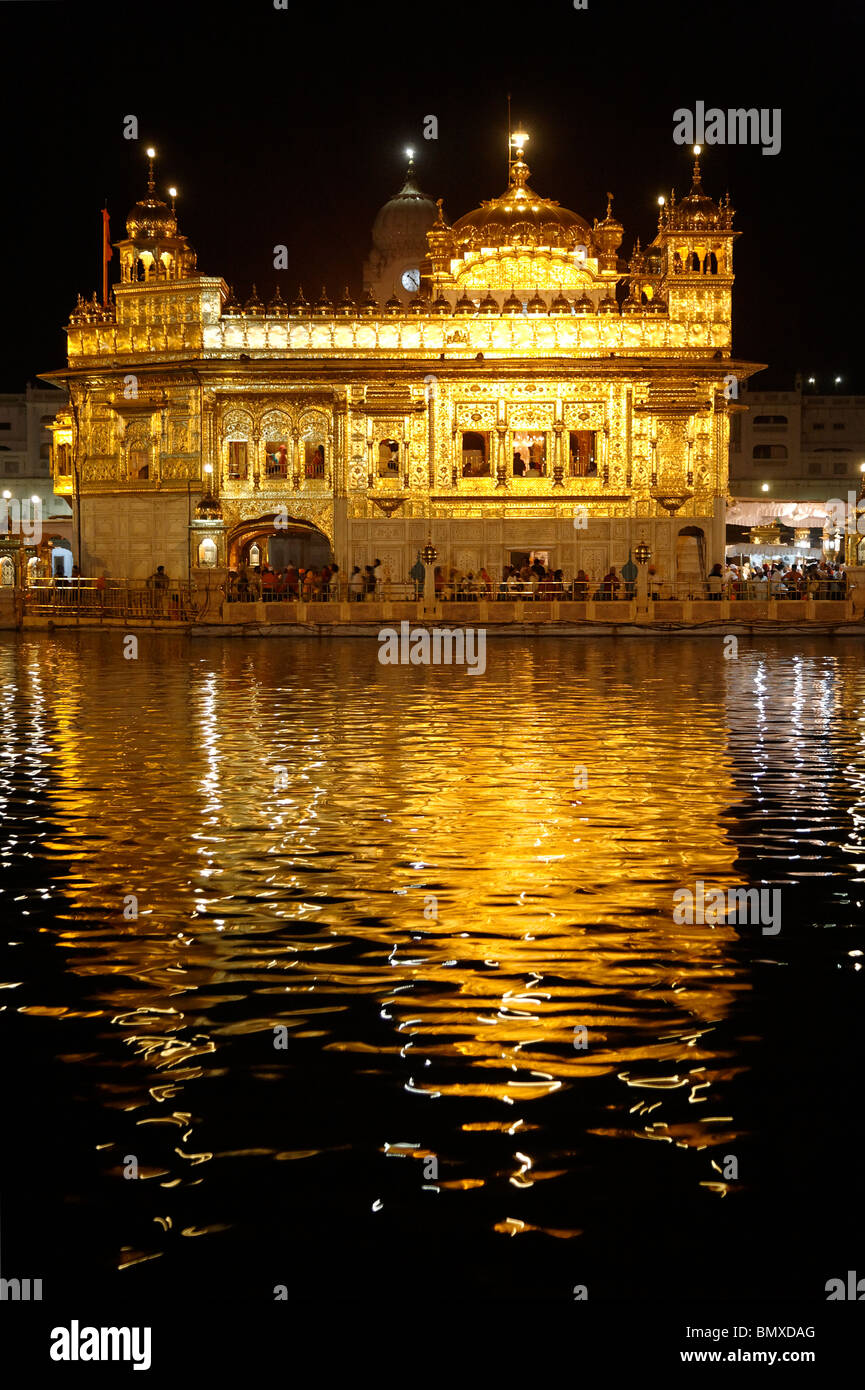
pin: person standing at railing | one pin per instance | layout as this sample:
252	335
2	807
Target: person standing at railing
334	584
715	583
355	585
610	584
158	582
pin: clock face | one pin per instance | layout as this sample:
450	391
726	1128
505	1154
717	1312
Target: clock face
411	280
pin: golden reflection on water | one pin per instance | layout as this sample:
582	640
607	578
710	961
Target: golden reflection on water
307	833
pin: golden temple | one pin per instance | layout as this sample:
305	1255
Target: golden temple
523	389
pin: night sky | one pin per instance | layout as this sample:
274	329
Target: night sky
289	127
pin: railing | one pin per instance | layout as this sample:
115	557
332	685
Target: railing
394	591
596	591
113	598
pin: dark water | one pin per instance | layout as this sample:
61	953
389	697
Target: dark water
394	867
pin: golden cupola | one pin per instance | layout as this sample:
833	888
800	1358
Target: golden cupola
153	248
521	217
519	243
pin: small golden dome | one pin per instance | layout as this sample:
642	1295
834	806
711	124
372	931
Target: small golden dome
347	306
512	305
488	304
299	305
253	305
277	306
151	218
441	304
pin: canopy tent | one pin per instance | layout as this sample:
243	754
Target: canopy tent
794	514
774	552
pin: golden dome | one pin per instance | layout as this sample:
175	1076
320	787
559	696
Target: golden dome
151	218
521	216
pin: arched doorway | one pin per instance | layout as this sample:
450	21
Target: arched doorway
691	557
294	542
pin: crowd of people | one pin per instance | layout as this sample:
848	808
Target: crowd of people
254	583
822	579
536	581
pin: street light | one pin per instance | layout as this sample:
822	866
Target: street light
429	555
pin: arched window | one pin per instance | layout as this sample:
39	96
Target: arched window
207	552
237	458
770	451
388	458
475	453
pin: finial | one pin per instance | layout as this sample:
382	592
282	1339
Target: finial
610	204
440	220
151	155
696	186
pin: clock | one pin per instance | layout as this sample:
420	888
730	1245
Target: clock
411	280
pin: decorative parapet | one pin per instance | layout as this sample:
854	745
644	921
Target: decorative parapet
631	335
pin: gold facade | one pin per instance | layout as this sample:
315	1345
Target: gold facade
517	402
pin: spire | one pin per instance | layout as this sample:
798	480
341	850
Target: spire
697	184
518	169
410	184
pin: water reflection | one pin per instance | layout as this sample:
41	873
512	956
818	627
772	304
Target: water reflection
399	868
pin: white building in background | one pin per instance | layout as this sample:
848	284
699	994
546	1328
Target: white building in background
796	446
25	464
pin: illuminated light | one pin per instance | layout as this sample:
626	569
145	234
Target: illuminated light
208	468
765	487
172	192
518	139
697	150
811	380
7	494
150	152
661	201
34	498
838	381
862	468
410	153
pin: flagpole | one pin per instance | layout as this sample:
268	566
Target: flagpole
106	256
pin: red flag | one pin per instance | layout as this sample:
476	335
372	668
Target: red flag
107	253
